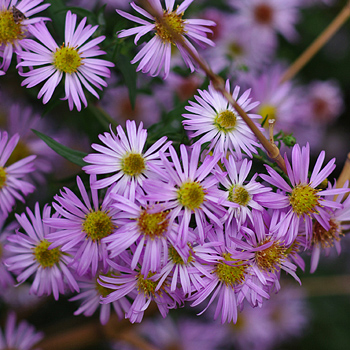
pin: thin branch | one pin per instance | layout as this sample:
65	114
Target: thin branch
320	41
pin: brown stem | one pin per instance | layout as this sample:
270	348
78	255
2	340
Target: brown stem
320	41
219	85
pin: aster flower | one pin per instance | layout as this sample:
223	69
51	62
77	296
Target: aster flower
21	337
125	158
82	224
323	239
74	60
155	55
31	254
90	297
142	289
301	198
15	21
11	183
263	19
218	122
188	189
240	191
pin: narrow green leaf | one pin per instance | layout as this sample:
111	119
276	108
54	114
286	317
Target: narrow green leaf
72	155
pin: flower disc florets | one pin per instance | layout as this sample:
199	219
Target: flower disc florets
153	224
268	110
326	237
10	31
67	59
46	257
270	258
191	195
230	274
176	257
97	225
103	291
172	21
3	177
133	164
238	194
225	121
304	199
146	285
263	13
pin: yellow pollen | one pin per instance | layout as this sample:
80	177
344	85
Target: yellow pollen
147	286
238	194
171	21
153	224
97	225
191	195
177	259
10	31
304	199
326	238
133	164
268	111
3	177
230	274
225	121
46	257
67	59
270	258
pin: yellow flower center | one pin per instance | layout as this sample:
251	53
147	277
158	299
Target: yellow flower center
46	257
304	199
10	31
145	285
230	274
235	49
103	291
326	238
172	24
191	195
97	225
238	194
225	121
133	164
270	258
3	177
67	59
177	259
153	224
268	111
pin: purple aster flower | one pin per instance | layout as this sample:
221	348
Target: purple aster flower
81	225
90	296
263	19
15	21
74	60
229	281
155	55
21	337
323	239
240	191
301	198
31	254
145	225
11	183
188	189
218	122
125	158
142	289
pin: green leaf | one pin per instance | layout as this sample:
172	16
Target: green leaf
72	155
129	74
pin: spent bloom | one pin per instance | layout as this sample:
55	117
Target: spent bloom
74	60
31	255
217	122
11	183
155	55
15	21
